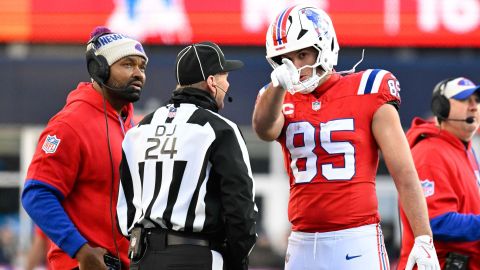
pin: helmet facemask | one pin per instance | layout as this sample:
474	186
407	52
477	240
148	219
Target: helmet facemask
301	27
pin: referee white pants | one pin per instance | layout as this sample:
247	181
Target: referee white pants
351	249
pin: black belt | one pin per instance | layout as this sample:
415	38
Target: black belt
173	240
170	238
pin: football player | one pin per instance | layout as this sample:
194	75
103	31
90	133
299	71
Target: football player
331	127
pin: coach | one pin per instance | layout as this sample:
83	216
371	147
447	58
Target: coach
71	180
449	171
186	196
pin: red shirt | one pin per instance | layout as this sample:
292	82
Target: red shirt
330	153
447	169
79	167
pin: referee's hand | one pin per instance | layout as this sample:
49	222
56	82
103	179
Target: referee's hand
90	258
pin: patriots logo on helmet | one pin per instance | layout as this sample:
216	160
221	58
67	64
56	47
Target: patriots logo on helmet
51	144
320	25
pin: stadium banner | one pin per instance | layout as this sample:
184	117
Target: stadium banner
397	23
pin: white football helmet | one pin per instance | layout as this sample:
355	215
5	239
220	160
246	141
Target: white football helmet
300	27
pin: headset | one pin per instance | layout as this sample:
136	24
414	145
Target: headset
440	104
97	65
98	68
229	98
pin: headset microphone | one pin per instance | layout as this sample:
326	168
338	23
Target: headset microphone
128	93
229	98
468	120
125	90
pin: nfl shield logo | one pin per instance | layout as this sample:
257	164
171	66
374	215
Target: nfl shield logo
316	105
51	144
172	111
428	187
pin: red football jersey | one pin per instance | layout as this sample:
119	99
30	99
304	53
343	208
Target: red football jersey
330	153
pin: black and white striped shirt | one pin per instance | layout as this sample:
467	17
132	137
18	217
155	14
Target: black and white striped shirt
186	168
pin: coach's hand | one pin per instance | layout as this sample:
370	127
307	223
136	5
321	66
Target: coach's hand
423	254
90	258
285	75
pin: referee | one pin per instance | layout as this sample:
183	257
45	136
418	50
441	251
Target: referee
186	197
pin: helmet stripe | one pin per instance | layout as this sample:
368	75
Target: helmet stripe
277	33
284	24
274	31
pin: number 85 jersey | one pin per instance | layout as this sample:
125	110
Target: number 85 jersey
330	153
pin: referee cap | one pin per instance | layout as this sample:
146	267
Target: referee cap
198	61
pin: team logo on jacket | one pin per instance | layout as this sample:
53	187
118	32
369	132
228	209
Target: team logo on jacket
428	187
316	105
51	144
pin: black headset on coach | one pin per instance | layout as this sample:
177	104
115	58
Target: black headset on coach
440	104
99	70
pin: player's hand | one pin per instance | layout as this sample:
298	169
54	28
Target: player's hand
423	254
90	258
285	75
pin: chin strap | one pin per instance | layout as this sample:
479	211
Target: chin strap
352	70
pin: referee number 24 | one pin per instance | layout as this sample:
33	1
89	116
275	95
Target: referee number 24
304	161
164	137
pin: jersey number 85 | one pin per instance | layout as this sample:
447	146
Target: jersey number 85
304	153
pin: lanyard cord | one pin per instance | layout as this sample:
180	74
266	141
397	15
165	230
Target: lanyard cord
112	173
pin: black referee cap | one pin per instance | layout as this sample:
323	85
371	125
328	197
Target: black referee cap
198	61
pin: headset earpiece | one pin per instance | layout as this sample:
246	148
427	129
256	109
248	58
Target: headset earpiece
97	65
440	105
